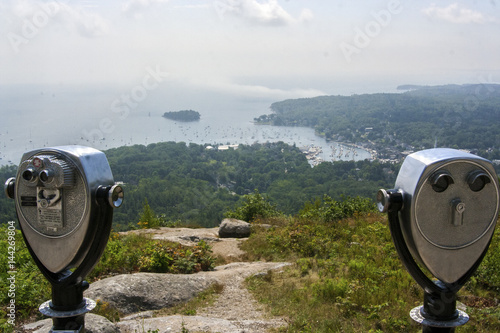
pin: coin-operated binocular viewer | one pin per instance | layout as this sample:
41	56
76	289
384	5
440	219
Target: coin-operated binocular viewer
64	201
442	215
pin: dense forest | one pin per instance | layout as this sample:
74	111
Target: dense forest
455	116
183	115
193	184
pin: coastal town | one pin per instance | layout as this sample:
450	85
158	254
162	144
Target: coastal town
344	152
350	152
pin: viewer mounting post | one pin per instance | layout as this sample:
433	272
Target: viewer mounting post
442	215
64	202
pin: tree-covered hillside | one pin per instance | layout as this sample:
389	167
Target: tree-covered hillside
193	184
464	117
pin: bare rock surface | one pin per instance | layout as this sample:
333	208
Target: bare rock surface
234	311
184	236
129	293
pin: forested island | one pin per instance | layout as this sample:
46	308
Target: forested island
183	115
454	116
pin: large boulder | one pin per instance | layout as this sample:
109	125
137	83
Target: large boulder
233	228
130	293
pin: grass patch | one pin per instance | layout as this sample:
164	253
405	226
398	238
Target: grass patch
104	309
204	299
348	277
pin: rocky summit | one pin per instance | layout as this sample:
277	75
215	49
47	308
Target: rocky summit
137	296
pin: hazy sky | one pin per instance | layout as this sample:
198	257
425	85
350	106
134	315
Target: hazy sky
276	49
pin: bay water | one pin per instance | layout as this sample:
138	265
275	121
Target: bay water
38	116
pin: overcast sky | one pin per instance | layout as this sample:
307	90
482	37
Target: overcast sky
285	48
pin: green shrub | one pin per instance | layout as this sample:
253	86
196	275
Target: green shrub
488	273
319	225
157	258
160	258
121	255
148	218
330	289
330	210
253	206
134	253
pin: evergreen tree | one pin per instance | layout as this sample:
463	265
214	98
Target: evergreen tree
148	218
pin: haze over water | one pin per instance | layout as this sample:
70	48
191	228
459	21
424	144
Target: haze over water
38	116
65	64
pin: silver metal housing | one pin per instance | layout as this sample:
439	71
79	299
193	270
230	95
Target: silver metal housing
55	194
451	205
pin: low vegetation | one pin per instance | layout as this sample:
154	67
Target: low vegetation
28	290
123	254
347	275
137	253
